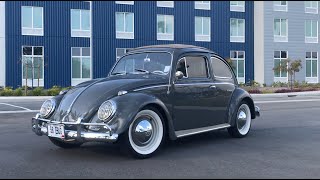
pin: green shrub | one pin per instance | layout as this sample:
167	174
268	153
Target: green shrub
279	84
18	92
55	90
37	91
7	91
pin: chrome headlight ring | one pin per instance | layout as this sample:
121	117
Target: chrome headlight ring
107	110
47	108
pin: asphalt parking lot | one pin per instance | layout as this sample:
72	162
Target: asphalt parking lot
283	143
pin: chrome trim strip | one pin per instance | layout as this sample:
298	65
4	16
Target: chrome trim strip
188	132
209	83
150	87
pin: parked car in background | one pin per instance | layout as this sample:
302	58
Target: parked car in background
152	93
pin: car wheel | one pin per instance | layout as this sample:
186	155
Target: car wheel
242	121
145	135
63	144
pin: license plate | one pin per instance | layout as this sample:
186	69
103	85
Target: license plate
56	130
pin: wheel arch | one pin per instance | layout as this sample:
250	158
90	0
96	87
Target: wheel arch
238	96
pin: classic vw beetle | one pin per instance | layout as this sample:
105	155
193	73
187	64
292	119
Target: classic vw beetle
152	93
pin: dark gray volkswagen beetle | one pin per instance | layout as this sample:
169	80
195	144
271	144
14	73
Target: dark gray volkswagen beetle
152	93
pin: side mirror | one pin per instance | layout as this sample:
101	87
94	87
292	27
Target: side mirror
179	75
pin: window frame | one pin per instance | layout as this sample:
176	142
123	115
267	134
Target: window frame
312	79
202	6
165	36
280	78
238	8
202	37
165	4
125	2
240	79
311	39
311	10
80	32
124	34
279	7
26	31
232	78
35	80
281	38
187	78
75	81
239	39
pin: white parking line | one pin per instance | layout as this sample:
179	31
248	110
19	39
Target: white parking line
14	112
16	106
286	101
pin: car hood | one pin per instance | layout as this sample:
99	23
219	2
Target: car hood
85	99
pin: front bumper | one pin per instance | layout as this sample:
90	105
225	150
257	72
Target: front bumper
39	126
257	111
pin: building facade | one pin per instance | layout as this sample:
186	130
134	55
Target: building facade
49	41
286	29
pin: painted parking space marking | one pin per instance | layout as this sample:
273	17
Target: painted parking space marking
14	112
16	106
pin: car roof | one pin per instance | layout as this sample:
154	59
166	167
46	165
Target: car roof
184	47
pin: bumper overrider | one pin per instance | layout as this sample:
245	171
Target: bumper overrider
257	111
40	127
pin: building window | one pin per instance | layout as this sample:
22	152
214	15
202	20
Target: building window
311	7
120	52
238	6
238	64
280	5
80	23
32	64
202	29
165	27
125	2
279	57
311	31
205	5
124	25
237	30
81	64
32	20
169	4
312	67
280	30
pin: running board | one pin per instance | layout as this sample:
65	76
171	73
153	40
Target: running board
189	132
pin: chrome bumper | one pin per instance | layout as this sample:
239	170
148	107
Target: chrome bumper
257	111
39	126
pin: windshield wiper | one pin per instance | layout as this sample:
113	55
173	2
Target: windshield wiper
142	70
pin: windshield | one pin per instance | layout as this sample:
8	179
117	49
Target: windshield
146	63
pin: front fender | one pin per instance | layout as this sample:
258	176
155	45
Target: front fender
238	95
130	104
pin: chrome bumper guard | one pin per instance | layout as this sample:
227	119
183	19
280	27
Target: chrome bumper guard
80	135
257	111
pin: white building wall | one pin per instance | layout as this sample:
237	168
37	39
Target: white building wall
2	44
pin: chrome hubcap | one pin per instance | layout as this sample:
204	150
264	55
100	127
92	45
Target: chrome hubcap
142	132
242	119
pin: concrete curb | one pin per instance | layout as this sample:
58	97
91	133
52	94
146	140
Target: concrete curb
306	93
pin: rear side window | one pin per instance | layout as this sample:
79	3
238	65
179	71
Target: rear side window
220	69
193	67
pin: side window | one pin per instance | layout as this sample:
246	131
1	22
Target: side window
193	67
220	69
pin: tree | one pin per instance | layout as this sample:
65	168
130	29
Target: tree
291	67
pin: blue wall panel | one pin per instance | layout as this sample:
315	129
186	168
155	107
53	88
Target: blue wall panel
57	40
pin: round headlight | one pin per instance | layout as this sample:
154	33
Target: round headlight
106	110
47	108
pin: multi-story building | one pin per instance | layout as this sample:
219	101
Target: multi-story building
50	40
286	29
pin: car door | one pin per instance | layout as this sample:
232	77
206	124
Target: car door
193	94
224	81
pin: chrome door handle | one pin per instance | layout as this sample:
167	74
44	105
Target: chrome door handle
212	87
